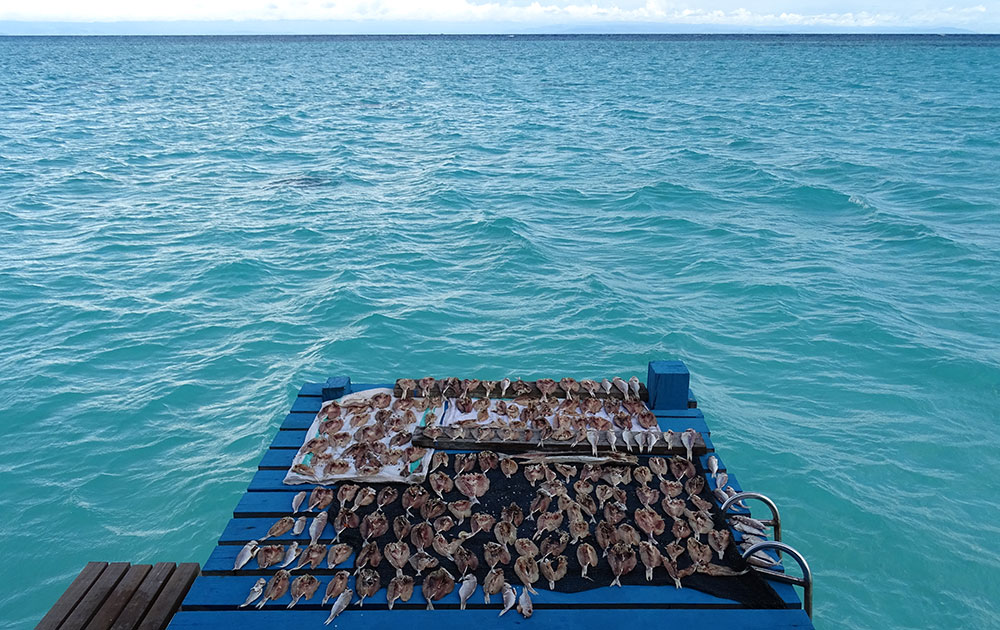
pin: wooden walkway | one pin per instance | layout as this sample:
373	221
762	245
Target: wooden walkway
120	596
213	599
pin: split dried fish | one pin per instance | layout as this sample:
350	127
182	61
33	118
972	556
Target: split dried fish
718	571
400	588
472	485
488	460
270	555
650	556
579	530
367	582
401	526
505	532
440	483
650	522
548	522
699	553
433	508
465	560
414	497
437	585
282	526
695	485
336	586
494	553
627	534
276	588
554	544
460	509
719	540
438	460
508	466
346	493
525	547
303	587
422	560
427	383
676	573
255	591
680	529
422	536
646	495
312	556
586	555
674	550
482	522
493	583
443	524
621	557
337	554
526	569
373	525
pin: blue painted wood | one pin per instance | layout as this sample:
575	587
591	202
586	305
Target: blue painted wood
311	389
668	383
297	421
371	618
306	404
680	424
335	387
692	401
288	439
678	413
230	591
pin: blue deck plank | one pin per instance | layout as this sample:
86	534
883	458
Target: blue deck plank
311	389
231	590
551	619
678	413
297	421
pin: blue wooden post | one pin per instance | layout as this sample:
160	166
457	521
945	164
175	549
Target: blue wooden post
335	387
667	382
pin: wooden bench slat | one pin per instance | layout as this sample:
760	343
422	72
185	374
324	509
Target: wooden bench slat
169	599
143	598
71	596
550	618
95	597
119	597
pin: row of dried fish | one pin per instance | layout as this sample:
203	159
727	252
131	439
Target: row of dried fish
452	387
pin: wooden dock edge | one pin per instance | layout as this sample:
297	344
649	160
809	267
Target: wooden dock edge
120	596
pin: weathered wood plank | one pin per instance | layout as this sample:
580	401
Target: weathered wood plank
549	618
144	596
170	597
222	592
119	598
95	597
71	596
520	446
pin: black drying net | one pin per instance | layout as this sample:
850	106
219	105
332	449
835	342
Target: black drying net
748	589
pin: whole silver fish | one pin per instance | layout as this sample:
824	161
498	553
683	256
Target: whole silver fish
722	479
469	584
627	438
592	437
249	551
255	591
317	526
297	500
524	604
713	465
612	439
633	384
290	554
300	525
687	439
606	386
509	598
343	600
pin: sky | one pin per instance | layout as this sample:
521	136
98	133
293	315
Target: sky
434	16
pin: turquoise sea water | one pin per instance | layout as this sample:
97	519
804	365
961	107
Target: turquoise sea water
191	228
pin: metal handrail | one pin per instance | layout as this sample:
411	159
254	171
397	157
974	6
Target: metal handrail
806	581
774	521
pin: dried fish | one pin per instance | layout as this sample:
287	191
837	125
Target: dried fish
565	470
398	554
509	598
488	460
521	388
248	551
437	585
534	473
554	544
674	550
276	588
508	466
699	553
300	526
548	522
472	485
650	522
336	586
621	557
646	495
421	536
658	465
346	493
526	569
282	526
721	479
674	507
586	556
414	497
367	582
688	440
270	556
465	591
401	526
303	587
701	522
525	547
650	557
681	468
438	460
464	462
671	489
614	512
627	534
505	532
290	554
504	384
494	553
482	522
422	560
594	438
374	525
465	560
606	536
540	503
718	571
297	500
680	529
255	591
524	605
337	554
700	503
433	508
443	524
633	385
440	483
368	556
719	540
341	603
460	509
695	485
317	526
579	530
606	386
676	573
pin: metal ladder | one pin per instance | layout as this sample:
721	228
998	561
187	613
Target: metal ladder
806	581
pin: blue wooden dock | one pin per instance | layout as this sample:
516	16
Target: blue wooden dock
215	595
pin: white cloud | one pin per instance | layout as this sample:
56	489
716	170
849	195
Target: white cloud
537	12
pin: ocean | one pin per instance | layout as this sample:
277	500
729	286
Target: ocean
190	228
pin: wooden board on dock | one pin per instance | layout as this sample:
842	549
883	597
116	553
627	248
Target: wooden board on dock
121	597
